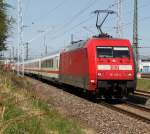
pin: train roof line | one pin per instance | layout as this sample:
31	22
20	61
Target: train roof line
81	43
75	45
50	56
42	58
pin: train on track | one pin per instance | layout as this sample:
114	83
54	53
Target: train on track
103	66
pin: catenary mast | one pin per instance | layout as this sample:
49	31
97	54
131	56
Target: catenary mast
20	52
135	32
119	27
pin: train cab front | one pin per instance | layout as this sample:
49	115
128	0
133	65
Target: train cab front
115	69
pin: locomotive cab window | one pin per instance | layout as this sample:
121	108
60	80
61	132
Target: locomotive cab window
113	52
121	52
104	52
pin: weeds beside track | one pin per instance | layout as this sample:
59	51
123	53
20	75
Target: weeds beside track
21	111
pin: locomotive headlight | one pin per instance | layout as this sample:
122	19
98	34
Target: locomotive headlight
92	81
99	74
130	74
102	74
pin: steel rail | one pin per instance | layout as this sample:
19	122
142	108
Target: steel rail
128	112
125	111
142	93
137	106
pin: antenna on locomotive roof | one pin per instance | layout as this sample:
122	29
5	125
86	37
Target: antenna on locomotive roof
99	25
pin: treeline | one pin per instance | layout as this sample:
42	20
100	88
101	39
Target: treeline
4	24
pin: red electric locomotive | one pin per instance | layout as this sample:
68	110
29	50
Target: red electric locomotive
100	65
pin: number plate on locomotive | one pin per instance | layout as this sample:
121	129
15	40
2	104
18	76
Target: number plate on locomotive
114	67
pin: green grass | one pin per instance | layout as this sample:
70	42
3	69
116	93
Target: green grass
143	84
12	112
55	122
31	126
17	117
49	122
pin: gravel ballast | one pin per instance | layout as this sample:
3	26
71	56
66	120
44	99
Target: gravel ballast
95	116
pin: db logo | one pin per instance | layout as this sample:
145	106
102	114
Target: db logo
114	67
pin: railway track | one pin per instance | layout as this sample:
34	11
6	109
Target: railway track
128	108
145	76
142	93
131	109
97	117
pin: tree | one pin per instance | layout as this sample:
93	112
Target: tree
4	24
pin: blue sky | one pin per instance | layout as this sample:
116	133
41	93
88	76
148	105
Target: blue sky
61	18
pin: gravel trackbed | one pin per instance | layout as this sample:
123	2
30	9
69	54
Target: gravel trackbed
95	116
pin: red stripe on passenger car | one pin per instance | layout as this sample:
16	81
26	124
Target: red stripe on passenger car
47	71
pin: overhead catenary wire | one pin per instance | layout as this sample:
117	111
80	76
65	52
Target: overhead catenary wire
71	28
27	8
140	7
140	20
68	22
74	17
81	11
110	7
129	23
59	5
60	29
77	25
49	28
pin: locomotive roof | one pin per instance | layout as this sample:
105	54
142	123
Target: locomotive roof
76	45
82	43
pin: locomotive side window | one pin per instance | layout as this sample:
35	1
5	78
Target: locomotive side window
113	52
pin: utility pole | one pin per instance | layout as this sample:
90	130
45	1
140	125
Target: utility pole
45	44
10	54
13	53
135	33
72	38
119	27
27	50
16	54
46	52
